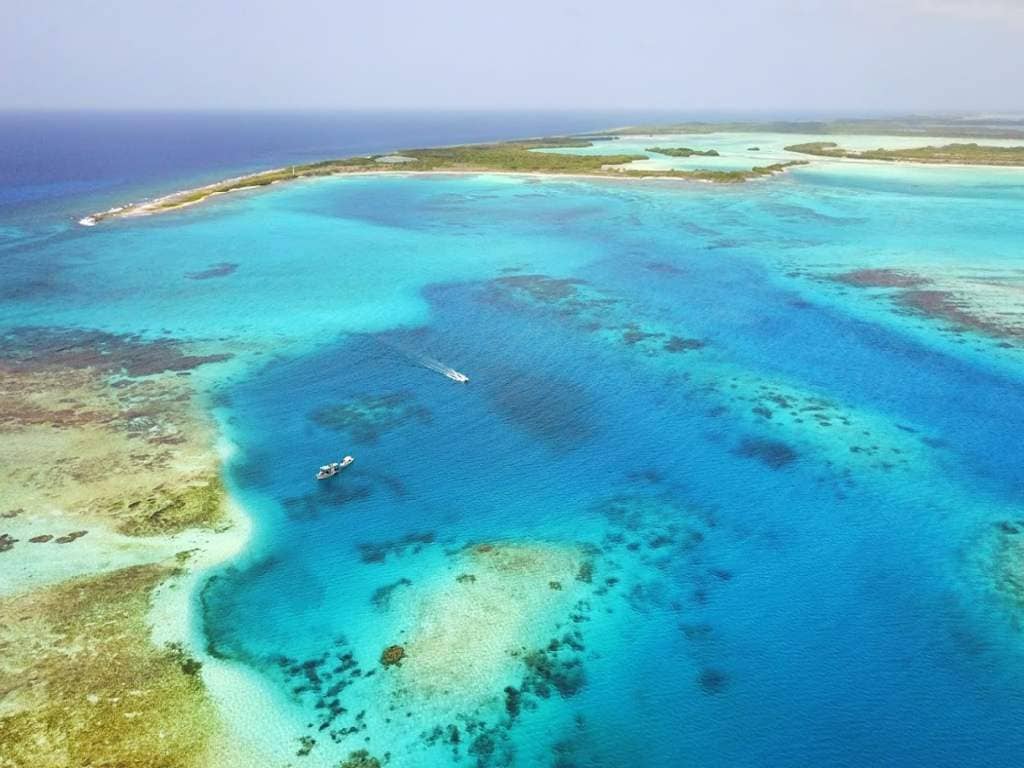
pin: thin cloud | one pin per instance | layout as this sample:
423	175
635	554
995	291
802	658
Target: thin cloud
993	10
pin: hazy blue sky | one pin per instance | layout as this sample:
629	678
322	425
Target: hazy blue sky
746	55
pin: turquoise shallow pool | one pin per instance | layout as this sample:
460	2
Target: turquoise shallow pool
773	507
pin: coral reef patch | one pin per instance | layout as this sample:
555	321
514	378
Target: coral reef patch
223	269
367	417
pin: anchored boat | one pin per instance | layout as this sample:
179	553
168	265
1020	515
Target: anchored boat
330	470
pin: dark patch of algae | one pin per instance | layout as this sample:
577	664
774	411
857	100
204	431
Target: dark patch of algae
81	684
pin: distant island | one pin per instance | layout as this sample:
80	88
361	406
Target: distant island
968	154
948	127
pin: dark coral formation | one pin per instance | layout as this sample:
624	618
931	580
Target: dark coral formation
360	759
590	309
546	289
558	412
915	297
679	344
223	269
319	682
392	656
378	551
880	278
553	669
367	417
664	268
712	680
1008	561
69	537
381	597
33	349
329	495
947	306
487	745
772	453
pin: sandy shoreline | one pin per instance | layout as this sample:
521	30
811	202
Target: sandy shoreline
160	204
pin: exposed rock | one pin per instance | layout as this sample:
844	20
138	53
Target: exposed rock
68	538
392	655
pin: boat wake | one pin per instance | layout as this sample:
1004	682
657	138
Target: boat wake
439	367
430	363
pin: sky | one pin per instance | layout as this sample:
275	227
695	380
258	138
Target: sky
747	55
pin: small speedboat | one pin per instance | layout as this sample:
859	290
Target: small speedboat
330	470
454	375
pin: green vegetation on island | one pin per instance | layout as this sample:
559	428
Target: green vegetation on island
683	151
515	156
971	154
500	157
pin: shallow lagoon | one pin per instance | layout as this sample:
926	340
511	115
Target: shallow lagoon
768	502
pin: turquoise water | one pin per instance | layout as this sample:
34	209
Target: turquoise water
786	493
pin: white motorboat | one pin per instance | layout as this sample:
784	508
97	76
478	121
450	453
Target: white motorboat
330	470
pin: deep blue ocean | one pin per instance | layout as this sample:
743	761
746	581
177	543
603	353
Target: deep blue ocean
698	505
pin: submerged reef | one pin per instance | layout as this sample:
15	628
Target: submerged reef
360	759
880	278
367	417
392	656
222	269
778	415
593	310
378	551
498	630
557	412
464	635
773	453
985	302
1005	560
104	427
102	439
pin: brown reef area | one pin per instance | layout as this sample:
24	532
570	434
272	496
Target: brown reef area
111	489
985	302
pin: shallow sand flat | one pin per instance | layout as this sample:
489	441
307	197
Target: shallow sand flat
465	639
32	565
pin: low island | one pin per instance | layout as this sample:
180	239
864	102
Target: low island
683	152
960	154
500	157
